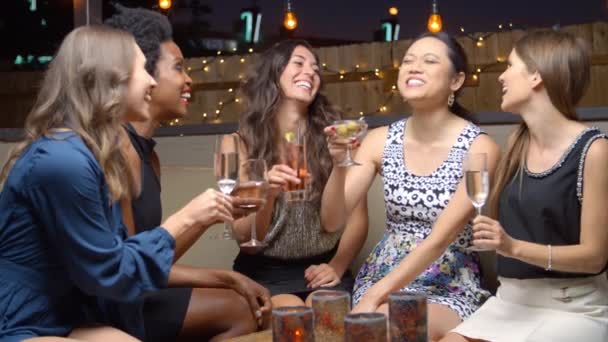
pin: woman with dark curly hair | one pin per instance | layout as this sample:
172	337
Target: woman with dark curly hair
200	303
282	92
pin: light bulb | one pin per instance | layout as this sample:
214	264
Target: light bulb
164	4
290	22
434	23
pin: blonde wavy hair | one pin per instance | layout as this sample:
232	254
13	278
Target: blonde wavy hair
84	91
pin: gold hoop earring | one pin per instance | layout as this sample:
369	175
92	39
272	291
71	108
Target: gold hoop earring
451	99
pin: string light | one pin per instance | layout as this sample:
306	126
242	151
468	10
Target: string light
434	23
164	4
290	22
355	74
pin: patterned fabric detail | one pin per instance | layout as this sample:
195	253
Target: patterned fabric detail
296	232
581	165
413	204
563	157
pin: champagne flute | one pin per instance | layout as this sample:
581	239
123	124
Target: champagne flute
293	154
253	185
350	129
226	168
477	183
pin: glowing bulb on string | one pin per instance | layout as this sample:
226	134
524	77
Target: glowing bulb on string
434	23
290	21
164	4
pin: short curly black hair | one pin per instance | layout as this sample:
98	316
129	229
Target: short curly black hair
149	28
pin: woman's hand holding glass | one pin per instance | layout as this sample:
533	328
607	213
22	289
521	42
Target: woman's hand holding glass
488	234
342	137
279	176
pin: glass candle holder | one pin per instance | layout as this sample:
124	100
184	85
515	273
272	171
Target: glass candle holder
330	308
292	324
369	327
407	317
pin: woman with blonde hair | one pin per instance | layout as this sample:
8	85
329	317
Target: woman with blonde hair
550	196
63	247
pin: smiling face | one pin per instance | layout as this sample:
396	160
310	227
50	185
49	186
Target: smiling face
300	80
517	84
138	96
171	96
426	74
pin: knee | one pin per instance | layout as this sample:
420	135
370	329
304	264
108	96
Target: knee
286	300
244	320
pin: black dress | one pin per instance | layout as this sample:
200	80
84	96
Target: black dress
545	208
165	310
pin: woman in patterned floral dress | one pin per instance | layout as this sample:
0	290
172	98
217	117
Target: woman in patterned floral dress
427	208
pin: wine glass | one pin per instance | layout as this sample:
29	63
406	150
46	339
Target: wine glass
350	129
477	183
253	185
226	168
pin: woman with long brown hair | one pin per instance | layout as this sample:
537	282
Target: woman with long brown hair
550	202
62	244
282	93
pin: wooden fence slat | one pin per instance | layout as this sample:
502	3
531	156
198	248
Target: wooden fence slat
600	37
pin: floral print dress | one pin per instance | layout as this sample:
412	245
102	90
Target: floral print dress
413	204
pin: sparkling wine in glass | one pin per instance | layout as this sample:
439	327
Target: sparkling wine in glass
477	183
350	129
226	169
293	154
253	185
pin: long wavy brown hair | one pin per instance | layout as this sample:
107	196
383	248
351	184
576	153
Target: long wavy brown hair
563	62
258	125
83	91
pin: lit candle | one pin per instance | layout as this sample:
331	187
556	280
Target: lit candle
292	323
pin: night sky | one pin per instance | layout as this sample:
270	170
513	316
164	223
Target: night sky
357	19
